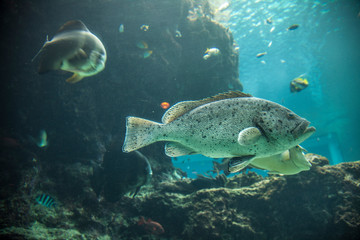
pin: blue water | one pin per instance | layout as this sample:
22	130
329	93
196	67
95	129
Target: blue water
325	47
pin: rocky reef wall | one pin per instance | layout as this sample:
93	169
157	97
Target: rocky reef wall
322	203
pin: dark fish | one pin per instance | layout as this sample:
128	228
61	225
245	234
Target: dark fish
293	27
151	226
9	142
46	200
121	174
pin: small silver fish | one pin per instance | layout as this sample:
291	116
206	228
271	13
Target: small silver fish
42	140
74	49
259	55
121	28
232	124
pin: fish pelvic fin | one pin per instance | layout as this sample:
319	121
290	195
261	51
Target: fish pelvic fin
74	78
139	133
236	164
173	149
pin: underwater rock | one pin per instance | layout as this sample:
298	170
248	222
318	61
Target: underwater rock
322	203
121	173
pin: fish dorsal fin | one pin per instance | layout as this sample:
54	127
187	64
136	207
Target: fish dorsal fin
181	108
72	25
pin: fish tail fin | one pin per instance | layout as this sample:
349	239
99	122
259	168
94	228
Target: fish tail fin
139	133
74	78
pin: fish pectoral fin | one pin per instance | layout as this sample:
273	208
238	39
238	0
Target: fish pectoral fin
80	55
238	163
249	136
285	156
74	78
174	149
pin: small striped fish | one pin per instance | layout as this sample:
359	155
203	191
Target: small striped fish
46	200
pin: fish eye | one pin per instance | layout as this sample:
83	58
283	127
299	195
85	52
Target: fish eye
290	115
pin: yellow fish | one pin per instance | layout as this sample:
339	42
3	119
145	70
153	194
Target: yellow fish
74	49
298	84
210	52
147	53
142	45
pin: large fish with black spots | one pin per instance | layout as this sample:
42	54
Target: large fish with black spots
228	125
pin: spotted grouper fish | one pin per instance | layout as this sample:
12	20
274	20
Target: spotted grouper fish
228	125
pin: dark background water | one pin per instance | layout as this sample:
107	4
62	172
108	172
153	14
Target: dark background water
82	120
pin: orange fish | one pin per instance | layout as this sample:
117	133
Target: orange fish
151	226
165	105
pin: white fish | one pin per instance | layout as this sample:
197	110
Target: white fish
74	49
210	52
289	162
227	125
121	28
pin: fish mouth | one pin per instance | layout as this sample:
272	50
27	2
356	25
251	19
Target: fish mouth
303	129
